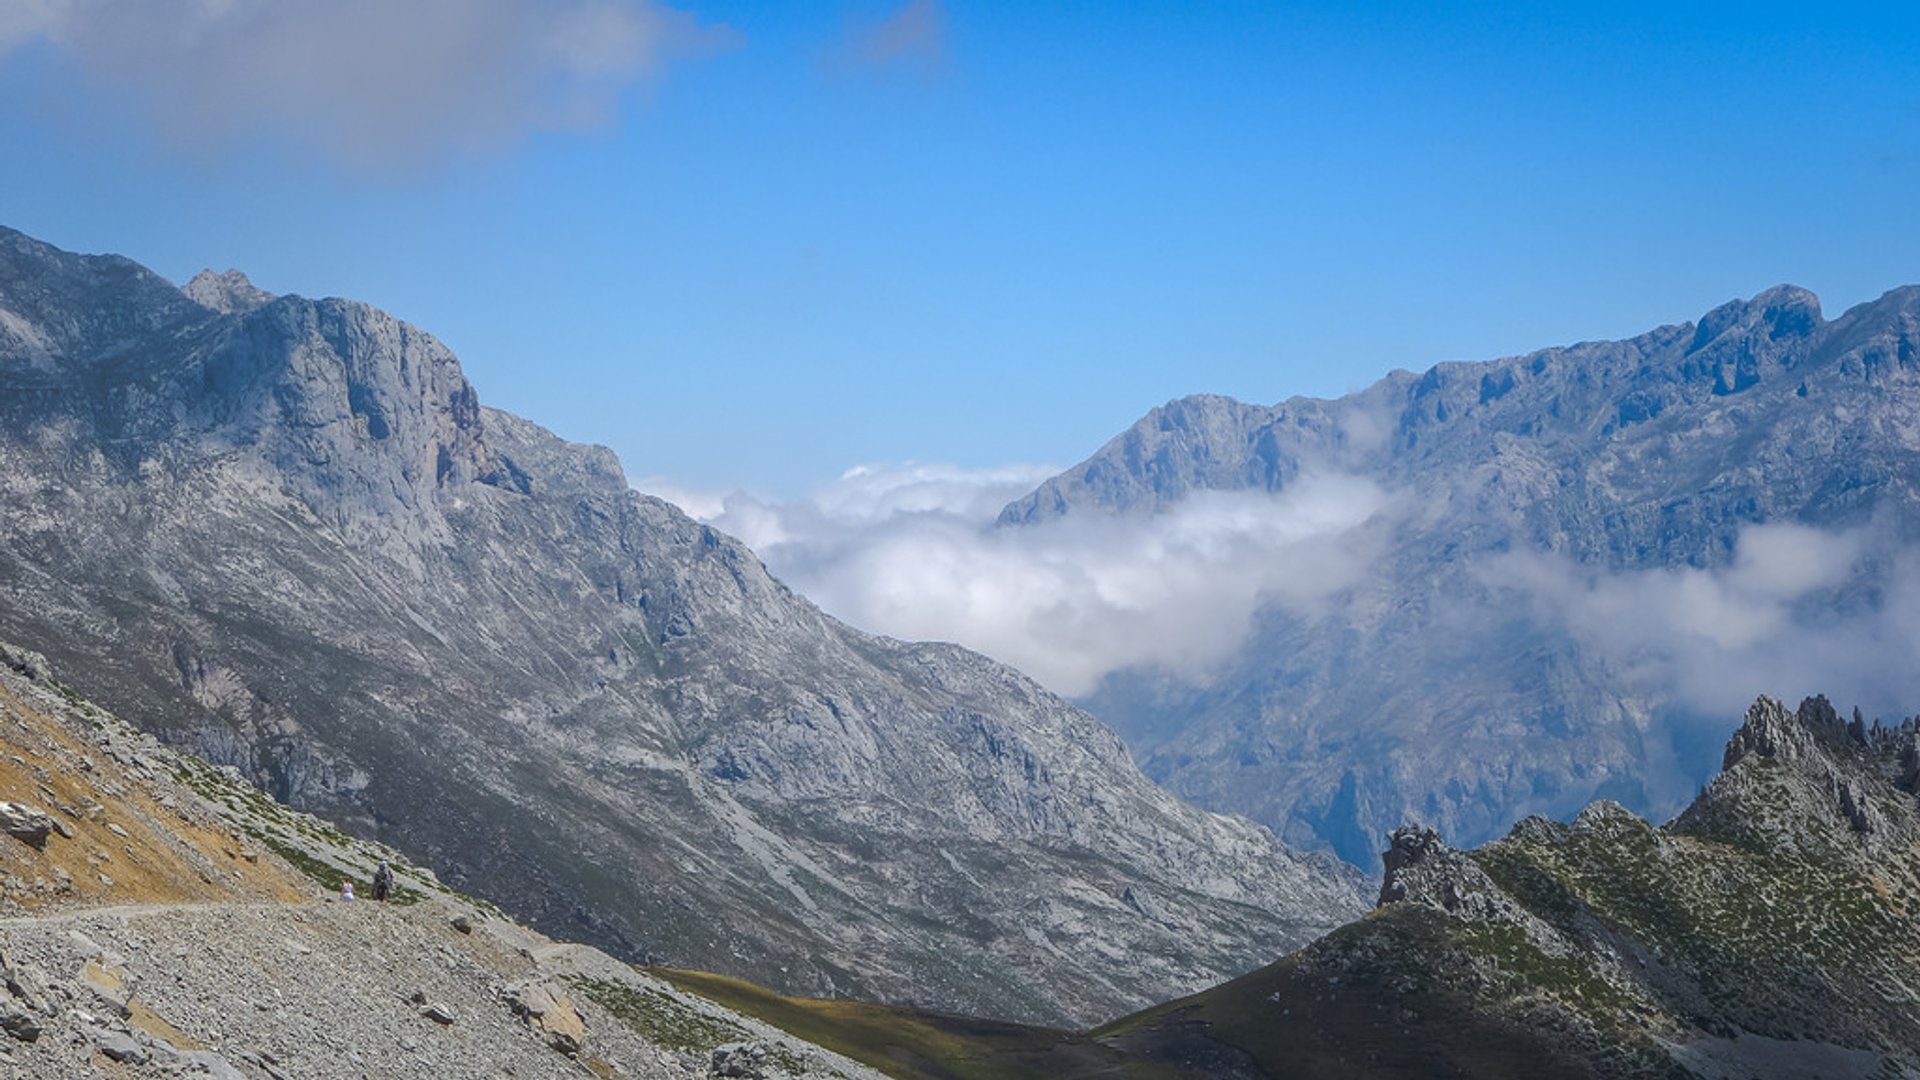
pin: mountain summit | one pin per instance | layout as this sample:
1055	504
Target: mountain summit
305	549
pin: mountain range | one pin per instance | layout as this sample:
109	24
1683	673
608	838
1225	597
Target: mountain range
1585	555
286	535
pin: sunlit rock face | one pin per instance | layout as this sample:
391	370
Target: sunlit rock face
285	533
1584	556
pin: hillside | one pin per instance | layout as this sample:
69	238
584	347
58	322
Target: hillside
1584	557
170	920
1772	930
284	534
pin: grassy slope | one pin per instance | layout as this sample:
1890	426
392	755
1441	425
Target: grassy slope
1398	993
919	1045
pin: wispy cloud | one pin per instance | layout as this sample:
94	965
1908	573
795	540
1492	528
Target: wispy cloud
1798	611
911	551
377	86
914	37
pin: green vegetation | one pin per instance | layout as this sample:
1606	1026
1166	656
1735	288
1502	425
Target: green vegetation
660	1018
919	1045
326	874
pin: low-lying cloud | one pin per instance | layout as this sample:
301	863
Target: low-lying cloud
373	85
1798	611
912	552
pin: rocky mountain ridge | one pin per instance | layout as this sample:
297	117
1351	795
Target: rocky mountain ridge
1770	931
1511	647
285	534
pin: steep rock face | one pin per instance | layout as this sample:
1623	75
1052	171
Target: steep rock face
1768	932
288	536
1438	686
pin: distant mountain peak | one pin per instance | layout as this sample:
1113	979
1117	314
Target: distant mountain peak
1782	311
229	293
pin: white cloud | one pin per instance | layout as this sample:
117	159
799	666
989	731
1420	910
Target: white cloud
913	36
375	85
1798	611
911	551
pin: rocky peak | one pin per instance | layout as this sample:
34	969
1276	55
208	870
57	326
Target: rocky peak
229	293
1738	342
1808	781
58	308
1407	846
1422	869
1770	731
1782	311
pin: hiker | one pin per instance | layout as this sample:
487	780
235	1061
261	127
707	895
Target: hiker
346	889
383	882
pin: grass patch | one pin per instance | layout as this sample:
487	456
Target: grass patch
327	874
658	1017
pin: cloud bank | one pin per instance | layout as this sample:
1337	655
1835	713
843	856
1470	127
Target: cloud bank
1798	611
374	85
912	552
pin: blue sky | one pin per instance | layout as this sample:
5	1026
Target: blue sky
751	245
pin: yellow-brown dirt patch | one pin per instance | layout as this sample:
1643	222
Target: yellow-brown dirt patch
174	854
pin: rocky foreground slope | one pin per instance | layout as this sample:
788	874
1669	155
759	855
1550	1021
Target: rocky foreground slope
1770	931
160	918
285	534
1569	583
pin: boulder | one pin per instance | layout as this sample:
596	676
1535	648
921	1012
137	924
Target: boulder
119	1046
748	1060
18	1022
548	1009
25	823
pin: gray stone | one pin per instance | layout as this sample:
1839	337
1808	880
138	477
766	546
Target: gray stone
18	1022
119	1046
26	824
747	1060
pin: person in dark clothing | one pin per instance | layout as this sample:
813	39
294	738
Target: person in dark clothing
383	882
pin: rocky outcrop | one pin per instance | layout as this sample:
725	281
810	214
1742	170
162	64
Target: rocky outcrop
548	1009
229	293
289	536
1421	868
25	824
